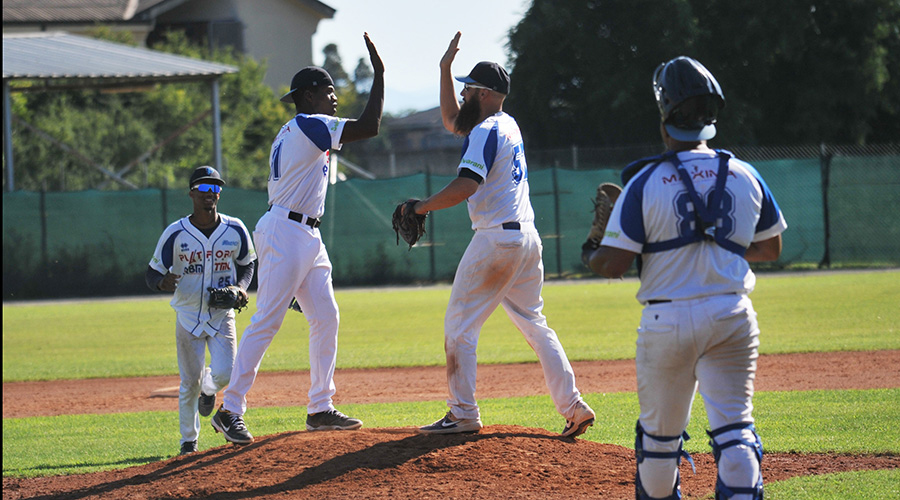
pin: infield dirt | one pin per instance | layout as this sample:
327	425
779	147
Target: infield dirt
502	461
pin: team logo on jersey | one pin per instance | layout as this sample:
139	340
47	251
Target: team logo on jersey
327	161
184	246
229	243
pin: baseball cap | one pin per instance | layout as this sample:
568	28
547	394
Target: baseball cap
489	74
206	174
310	76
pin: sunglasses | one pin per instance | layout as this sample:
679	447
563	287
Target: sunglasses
208	188
469	86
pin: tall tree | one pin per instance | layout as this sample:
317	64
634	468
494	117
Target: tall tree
798	71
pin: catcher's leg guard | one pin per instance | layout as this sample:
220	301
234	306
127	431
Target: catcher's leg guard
676	454
739	461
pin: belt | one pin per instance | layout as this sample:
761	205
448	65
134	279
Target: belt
511	225
294	216
666	301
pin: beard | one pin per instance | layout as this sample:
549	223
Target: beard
469	116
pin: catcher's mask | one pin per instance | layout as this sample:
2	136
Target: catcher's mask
689	99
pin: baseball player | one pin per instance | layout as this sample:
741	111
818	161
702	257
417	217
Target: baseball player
502	264
292	255
693	218
204	250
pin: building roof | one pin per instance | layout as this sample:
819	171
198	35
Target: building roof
83	62
104	11
63	11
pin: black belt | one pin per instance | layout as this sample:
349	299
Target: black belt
666	301
511	225
294	216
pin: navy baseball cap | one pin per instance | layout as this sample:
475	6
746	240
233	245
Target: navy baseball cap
206	175
489	74
310	76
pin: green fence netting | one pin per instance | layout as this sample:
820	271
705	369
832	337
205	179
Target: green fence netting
842	211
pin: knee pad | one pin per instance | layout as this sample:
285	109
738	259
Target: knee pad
723	491
641	454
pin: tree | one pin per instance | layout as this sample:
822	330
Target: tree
113	129
792	72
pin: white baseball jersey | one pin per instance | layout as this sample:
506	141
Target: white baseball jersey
656	217
494	151
296	182
202	263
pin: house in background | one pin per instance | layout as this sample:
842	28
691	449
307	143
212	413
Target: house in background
278	31
418	143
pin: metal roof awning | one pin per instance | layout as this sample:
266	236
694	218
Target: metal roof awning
50	61
63	61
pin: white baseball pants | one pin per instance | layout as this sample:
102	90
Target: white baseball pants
195	376
292	263
710	344
502	267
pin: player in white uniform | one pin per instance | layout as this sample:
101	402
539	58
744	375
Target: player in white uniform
204	250
502	264
694	218
293	262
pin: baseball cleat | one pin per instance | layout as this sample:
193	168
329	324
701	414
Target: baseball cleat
331	420
231	426
580	421
188	447
206	404
451	425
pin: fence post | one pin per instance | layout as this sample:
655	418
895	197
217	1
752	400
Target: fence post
556	224
431	257
825	165
164	197
43	209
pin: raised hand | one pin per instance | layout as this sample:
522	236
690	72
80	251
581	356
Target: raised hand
377	64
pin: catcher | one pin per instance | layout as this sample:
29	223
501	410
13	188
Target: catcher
207	260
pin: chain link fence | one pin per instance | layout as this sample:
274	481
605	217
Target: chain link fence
840	204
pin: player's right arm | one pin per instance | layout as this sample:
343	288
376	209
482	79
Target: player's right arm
370	120
611	262
764	251
449	102
162	260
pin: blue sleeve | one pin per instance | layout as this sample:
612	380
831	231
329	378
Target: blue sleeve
632	215
168	250
316	130
769	213
490	148
243	236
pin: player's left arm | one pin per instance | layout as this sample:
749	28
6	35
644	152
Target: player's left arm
370	120
245	274
453	194
764	251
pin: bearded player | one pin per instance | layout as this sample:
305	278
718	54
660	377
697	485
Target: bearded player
502	264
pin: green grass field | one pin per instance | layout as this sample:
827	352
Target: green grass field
403	327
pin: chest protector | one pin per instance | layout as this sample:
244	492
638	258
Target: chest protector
706	212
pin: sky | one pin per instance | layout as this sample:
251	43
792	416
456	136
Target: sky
412	35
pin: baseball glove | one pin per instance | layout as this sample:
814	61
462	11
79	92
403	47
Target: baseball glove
607	194
229	297
407	223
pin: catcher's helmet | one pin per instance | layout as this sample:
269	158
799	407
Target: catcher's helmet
689	99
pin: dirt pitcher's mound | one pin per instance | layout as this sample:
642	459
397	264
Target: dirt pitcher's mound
498	462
